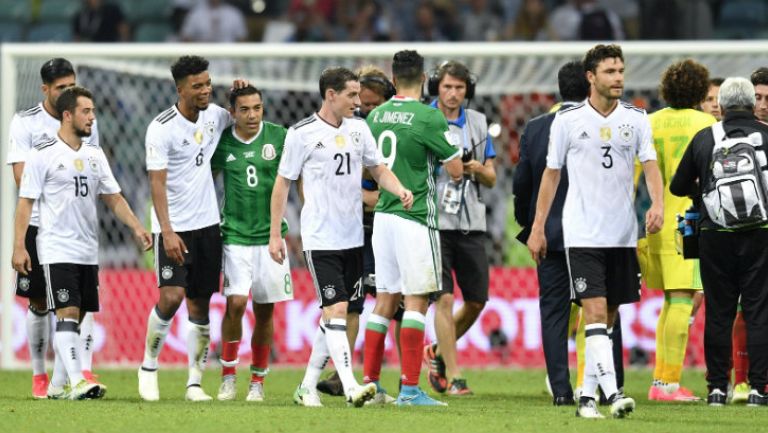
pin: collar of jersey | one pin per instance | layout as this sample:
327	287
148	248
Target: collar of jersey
234	134
399	98
460	121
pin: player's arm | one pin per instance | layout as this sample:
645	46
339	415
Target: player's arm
19	145
21	260
18	169
276	212
537	241
173	244
654	218
389	182
122	210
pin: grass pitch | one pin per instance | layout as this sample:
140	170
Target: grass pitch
504	401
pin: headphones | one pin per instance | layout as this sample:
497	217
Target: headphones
389	88
433	82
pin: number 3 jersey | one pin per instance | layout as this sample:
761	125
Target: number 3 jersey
250	169
600	152
66	184
330	162
184	149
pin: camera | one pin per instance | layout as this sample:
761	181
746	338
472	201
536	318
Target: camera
466	155
687	233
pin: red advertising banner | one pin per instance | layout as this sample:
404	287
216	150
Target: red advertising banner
512	311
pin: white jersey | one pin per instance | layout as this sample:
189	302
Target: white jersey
30	128
330	162
600	153
66	183
184	149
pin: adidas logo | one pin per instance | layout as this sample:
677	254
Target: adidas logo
231	158
319	145
185	142
584	136
61	167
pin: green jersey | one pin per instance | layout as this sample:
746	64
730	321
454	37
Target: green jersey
250	169
412	138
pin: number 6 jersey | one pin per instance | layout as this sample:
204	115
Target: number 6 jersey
66	184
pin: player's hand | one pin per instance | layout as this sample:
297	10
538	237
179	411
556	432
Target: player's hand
277	249
406	198
174	247
21	261
654	219
239	83
143	238
472	167
537	245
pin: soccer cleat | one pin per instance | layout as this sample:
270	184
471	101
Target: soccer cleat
228	388
563	400
459	387
381	396
58	392
682	394
90	377
756	399
331	386
414	396
588	409
40	386
716	398
303	396
255	392
148	389
358	395
740	393
85	390
621	405
436	366
196	393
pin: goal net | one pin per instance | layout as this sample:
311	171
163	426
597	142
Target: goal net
132	84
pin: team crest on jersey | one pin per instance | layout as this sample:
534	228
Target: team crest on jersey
94	164
210	127
626	132
79	164
199	136
62	295
605	133
340	141
357	139
167	272
580	284
268	152
329	291
23	284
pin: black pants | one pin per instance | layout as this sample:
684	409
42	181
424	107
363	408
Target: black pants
735	264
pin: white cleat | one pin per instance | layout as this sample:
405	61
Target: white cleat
588	409
85	390
306	397
58	392
358	395
148	389
228	388
380	398
621	406
255	392
196	393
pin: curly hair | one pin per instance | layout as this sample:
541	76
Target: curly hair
188	65
684	84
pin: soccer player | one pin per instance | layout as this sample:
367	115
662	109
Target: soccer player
180	142
684	86
710	104
461	217
412	137
759	79
29	128
248	154
66	175
328	150
600	140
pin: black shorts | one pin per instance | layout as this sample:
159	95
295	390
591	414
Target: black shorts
464	254
612	273
357	300
336	274
200	275
31	285
72	285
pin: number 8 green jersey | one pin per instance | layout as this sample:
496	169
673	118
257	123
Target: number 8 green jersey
412	138
249	170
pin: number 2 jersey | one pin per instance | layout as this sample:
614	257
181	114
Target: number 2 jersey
250	169
600	152
66	184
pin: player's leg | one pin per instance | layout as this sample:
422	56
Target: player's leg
651	267
440	357
676	341
740	358
86	346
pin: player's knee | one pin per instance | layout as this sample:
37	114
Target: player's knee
236	306
170	300
444	303
474	307
262	312
38	305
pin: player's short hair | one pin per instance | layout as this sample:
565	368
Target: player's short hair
335	78
759	77
684	84
188	65
56	68
243	91
375	80
716	81
600	52
455	69
736	92
408	67
572	81
68	99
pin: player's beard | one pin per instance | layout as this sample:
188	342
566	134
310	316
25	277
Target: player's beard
82	132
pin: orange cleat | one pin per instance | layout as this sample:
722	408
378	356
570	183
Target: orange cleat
40	386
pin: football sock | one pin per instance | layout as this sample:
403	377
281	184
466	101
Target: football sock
599	358
157	330
59	375
67	342
580	358
38	336
86	342
318	359
375	337
198	341
338	347
229	359
412	344
740	356
659	367
676	338
259	362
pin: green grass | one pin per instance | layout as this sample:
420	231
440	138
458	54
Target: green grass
505	401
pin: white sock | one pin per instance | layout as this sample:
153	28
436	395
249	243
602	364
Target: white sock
59	375
599	355
198	342
157	330
317	360
38	336
68	344
338	347
86	342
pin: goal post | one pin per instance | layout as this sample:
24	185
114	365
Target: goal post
132	84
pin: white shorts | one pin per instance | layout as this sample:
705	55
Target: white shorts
251	269
407	256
